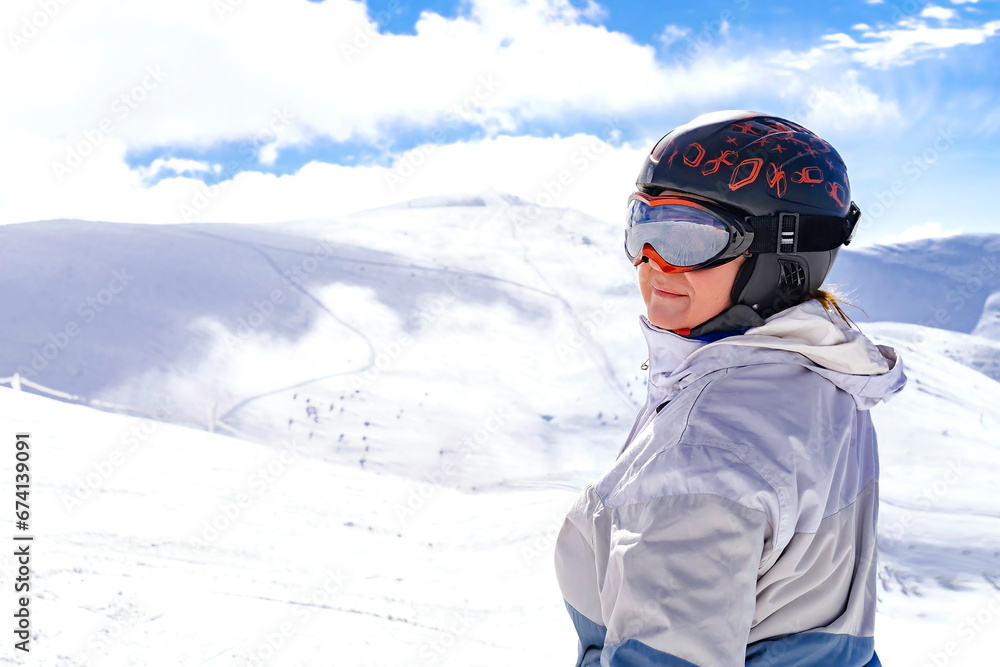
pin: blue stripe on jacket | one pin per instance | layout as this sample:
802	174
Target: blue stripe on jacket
813	649
822	649
629	653
591	638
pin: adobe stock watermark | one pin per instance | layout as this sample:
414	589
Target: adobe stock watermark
447	637
130	441
121	108
390	352
207	192
968	629
696	45
543	545
224	8
817	97
261	312
668	590
914	169
588	326
301	270
88	310
928	498
465	110
906	9
101	641
958	296
580	160
34	23
467	446
271	642
365	37
229	511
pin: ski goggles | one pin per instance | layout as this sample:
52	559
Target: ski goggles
680	234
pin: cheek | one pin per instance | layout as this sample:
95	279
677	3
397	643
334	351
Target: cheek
714	286
642	273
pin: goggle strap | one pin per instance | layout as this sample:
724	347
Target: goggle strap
794	232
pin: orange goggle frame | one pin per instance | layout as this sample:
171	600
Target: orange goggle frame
680	234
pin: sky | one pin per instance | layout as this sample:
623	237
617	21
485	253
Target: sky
268	110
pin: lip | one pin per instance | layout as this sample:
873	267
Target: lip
666	295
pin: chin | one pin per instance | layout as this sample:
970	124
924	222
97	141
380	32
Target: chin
665	320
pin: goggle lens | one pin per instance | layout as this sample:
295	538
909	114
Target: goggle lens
682	233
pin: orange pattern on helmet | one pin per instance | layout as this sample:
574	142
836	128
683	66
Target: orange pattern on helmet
755	164
745	128
811	174
776	179
835	190
699	154
713	165
788	154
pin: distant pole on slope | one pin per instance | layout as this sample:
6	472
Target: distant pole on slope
15	382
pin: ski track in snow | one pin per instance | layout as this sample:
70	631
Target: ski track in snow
605	366
258	247
278	270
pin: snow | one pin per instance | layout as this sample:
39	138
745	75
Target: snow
942	283
420	391
989	321
196	548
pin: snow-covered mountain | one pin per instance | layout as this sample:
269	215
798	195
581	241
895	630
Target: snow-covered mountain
420	391
945	283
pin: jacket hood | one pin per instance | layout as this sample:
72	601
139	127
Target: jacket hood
804	334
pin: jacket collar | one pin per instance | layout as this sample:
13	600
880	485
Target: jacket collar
804	334
666	350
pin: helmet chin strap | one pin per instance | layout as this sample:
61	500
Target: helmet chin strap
743	279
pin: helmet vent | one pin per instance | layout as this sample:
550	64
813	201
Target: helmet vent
793	276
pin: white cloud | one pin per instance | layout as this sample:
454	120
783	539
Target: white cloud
824	93
273	73
847	104
176	165
672	33
941	13
928	230
329	66
909	40
860	26
578	171
962	2
595	12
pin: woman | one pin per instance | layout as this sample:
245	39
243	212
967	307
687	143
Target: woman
738	523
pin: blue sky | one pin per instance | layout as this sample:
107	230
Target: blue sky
336	102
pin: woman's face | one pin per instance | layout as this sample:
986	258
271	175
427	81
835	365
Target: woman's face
685	300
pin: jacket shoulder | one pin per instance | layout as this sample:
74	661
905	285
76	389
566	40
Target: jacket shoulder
799	431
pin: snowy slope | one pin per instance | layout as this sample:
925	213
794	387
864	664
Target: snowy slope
327	332
182	547
939	519
941	282
160	544
989	321
473	359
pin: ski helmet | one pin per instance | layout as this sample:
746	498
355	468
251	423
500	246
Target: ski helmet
788	185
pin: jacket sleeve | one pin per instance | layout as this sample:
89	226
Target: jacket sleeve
681	581
580	565
665	572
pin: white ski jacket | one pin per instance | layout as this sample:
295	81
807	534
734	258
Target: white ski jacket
738	524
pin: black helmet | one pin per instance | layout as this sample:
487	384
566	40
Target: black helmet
789	185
